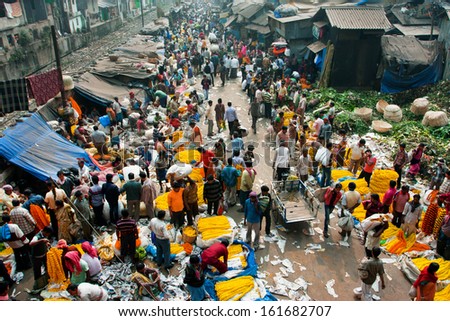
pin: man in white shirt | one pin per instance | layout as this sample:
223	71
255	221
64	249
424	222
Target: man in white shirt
18	242
227	64
209	117
234	67
162	239
326	162
357	156
83	171
281	160
88	292
318	123
118	110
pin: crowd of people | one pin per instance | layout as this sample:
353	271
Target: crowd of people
277	88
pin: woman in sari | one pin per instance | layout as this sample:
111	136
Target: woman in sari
65	217
77	267
425	284
417	154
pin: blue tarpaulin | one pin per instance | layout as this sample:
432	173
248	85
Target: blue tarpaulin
395	82
35	147
250	270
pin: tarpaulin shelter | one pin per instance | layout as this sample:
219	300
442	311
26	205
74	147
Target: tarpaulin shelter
32	145
410	63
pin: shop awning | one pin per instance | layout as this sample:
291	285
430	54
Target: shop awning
317	46
230	20
264	30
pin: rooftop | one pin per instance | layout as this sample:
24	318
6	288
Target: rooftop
367	18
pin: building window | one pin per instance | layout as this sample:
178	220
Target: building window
10	40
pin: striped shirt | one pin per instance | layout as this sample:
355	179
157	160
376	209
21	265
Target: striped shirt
126	226
23	219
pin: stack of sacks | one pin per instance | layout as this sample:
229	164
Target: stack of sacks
337	174
211	229
379	181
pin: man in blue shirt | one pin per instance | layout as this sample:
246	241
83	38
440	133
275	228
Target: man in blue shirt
252	218
237	143
230	117
229	177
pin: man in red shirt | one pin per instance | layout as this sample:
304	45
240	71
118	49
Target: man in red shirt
332	197
369	165
206	159
211	256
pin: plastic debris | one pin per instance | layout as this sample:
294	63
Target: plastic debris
288	264
330	289
282	245
302	283
280	281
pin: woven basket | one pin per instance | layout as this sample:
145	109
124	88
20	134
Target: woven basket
381	105
393	113
381	126
420	106
189	239
363	113
435	119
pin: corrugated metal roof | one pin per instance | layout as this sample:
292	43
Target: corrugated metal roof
229	21
250	11
358	18
446	7
106	4
417	30
299	17
262	20
261	29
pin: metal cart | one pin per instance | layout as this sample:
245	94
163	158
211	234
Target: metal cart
293	201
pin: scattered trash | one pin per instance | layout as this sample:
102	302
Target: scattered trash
18	277
288	264
330	289
347	275
282	245
313	247
280	281
344	243
303	284
284	271
318	230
